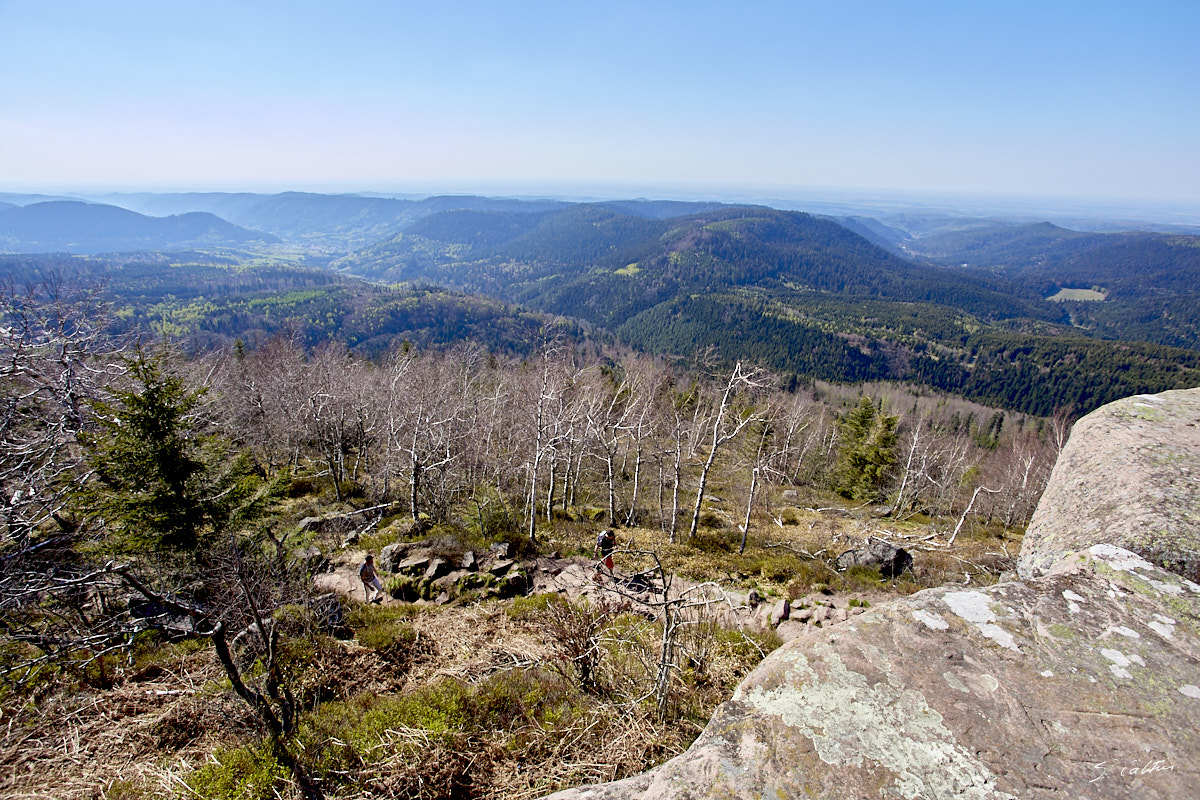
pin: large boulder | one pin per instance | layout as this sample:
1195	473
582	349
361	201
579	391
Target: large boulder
1129	476
890	559
391	556
1082	680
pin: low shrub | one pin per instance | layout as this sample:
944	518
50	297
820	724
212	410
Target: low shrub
306	485
532	607
344	736
252	772
518	543
385	629
789	516
718	540
121	789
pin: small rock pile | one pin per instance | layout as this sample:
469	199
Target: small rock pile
790	618
414	571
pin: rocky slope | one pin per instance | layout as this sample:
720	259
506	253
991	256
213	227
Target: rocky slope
1081	680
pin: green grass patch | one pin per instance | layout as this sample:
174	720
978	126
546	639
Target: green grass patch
385	629
1085	295
122	789
252	772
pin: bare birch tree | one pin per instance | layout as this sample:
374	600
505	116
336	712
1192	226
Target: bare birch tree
728	421
53	361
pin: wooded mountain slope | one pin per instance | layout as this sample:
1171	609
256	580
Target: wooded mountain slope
798	293
805	294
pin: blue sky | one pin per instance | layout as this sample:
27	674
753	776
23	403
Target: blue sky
1077	99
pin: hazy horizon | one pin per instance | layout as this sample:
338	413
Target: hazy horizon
848	201
1073	100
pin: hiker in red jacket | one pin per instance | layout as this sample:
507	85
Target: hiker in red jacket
605	543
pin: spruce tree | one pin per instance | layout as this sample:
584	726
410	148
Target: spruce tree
145	452
866	452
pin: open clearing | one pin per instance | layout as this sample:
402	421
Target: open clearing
1086	295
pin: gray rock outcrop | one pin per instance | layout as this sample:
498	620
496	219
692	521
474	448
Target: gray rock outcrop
1082	680
890	559
421	574
1129	476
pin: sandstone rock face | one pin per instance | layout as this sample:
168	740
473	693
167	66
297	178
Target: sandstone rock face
390	557
1081	681
1129	476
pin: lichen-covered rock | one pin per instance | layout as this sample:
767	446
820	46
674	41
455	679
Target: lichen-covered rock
1051	688
453	579
1129	476
500	566
1080	681
414	565
437	568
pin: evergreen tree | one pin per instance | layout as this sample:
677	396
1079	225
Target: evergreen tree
161	483
146	456
866	452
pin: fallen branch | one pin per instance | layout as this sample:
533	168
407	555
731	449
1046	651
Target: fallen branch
797	550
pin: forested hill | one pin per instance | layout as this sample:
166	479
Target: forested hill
593	262
791	291
797	293
336	222
68	226
205	302
1004	245
1048	257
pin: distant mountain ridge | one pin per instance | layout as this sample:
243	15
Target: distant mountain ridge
72	226
1046	251
349	221
339	222
1012	246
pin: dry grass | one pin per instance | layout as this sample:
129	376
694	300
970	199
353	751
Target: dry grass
498	722
146	732
147	736
530	731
